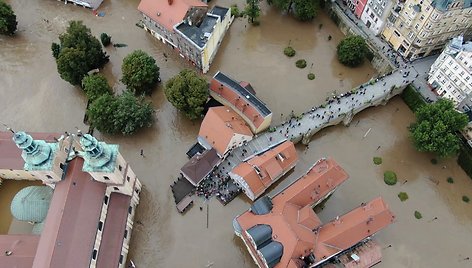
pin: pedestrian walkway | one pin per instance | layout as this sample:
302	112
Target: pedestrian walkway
337	109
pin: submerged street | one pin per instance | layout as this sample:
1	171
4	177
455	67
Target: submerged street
35	98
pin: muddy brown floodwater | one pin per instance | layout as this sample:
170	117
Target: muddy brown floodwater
34	98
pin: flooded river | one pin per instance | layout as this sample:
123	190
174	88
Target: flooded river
34	98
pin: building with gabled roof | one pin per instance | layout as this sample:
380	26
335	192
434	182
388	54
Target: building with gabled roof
260	172
284	231
242	100
90	214
188	27
223	130
200	165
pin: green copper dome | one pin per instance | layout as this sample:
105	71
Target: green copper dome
31	203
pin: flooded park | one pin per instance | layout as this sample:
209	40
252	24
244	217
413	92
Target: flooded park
35	98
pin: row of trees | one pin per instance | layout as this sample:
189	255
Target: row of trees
8	21
79	52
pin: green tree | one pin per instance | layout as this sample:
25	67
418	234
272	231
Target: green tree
101	114
72	65
140	72
132	113
105	38
56	50
352	50
252	10
95	86
8	21
436	126
188	92
124	114
305	10
283	5
78	38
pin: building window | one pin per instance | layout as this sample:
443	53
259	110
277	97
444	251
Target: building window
120	168
47	176
115	188
106	178
121	259
100	225
105	200
127	178
126	233
130	209
94	254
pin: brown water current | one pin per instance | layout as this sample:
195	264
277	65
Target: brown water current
34	98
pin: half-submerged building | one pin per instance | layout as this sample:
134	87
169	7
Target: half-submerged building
284	231
240	97
84	216
257	174
188	27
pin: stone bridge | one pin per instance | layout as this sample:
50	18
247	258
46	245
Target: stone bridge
337	109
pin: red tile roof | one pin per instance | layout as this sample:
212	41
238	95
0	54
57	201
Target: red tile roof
220	125
71	224
113	231
297	227
270	165
168	12
10	157
22	247
244	105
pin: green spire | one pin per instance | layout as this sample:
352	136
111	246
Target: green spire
38	154
98	156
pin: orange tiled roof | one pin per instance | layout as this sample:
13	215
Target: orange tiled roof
168	12
270	165
245	105
296	226
220	125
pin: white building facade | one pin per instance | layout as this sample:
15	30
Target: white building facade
451	73
375	14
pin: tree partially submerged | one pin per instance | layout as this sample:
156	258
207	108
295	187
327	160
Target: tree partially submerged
78	41
252	10
72	65
303	10
188	92
140	72
8	21
95	86
352	51
436	126
123	114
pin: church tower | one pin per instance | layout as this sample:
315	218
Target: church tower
105	164
39	157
